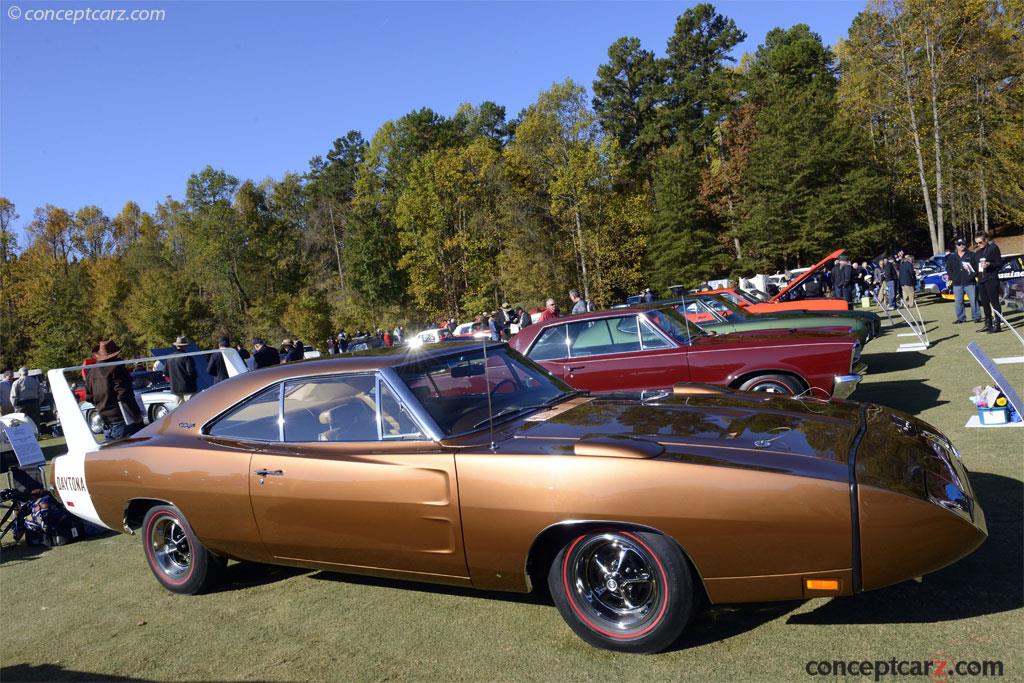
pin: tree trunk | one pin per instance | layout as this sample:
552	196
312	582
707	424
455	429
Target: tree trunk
337	246
582	249
926	195
933	77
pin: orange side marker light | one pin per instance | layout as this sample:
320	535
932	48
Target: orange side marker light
821	584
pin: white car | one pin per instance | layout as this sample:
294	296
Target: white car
154	403
432	336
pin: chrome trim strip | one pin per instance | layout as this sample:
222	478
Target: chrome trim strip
280	412
844	385
418	413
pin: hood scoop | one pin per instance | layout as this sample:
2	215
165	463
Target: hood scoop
617	447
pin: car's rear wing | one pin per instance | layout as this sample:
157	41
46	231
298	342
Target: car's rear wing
68	470
78	436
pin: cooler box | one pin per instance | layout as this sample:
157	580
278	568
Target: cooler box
993	416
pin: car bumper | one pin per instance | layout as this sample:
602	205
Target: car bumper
844	385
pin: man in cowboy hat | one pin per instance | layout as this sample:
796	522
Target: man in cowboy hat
109	388
262	355
182	371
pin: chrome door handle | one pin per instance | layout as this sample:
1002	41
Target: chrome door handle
574	368
269	473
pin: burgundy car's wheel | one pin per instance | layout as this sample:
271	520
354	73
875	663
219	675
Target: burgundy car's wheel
623	590
773	384
178	560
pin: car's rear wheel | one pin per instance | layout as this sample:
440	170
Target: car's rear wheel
623	590
95	421
178	560
773	384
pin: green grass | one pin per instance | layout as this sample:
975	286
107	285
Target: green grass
92	610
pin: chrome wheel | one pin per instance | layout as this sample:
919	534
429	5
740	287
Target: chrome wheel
615	579
772	387
159	412
95	422
170	547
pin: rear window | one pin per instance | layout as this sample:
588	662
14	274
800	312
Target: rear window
255	419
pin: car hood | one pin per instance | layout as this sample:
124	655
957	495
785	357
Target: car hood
741	428
744	339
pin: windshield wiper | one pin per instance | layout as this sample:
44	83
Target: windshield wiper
515	410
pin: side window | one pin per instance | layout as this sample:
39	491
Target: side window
651	339
624	334
395	421
590	338
254	419
330	409
550	344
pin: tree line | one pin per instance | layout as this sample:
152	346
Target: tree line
673	168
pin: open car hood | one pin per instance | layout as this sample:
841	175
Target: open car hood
816	268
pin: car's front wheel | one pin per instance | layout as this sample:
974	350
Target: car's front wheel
623	590
773	384
178	560
157	412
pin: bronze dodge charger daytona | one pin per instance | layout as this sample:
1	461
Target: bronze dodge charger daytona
470	465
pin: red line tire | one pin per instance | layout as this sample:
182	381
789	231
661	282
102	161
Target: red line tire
774	384
180	563
623	590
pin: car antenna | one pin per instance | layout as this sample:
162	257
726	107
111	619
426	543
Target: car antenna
487	390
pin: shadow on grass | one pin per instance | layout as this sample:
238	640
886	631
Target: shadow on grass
908	395
537	597
55	672
243	575
22	552
894	361
988	581
721	622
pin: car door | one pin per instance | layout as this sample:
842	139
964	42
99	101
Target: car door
622	352
353	483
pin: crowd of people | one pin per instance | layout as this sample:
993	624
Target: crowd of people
892	281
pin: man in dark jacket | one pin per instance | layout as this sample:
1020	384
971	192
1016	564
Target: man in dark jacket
962	271
109	388
262	355
216	366
908	279
988	260
891	278
842	279
182	371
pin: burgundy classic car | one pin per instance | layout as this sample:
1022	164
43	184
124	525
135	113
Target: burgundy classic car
653	347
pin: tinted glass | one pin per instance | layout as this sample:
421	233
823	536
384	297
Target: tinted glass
607	335
651	339
395	420
331	409
550	344
454	388
255	419
674	325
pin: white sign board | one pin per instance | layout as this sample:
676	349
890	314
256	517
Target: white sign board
26	448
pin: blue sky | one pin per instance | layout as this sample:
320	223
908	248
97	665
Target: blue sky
106	112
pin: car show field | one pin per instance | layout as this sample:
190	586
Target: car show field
91	610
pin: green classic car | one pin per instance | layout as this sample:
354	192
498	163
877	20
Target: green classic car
718	313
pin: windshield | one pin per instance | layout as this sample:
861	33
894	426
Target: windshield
724	307
675	325
454	388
